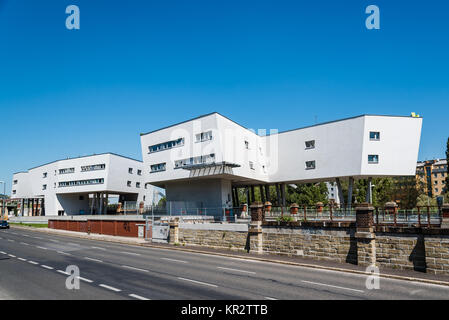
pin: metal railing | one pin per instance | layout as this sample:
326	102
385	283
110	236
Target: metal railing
424	216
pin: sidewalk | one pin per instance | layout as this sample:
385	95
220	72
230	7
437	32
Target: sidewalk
294	261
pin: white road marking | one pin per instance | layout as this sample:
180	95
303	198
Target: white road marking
84	279
138	297
37	238
67	254
22	259
43	248
10	240
76	244
2	252
110	288
32	262
236	270
63	272
99	248
328	285
46	267
198	282
11	255
126	252
24	243
168	259
92	259
53	240
269	298
129	267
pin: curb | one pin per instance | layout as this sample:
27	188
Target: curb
297	264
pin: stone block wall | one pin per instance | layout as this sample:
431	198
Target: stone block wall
331	244
234	240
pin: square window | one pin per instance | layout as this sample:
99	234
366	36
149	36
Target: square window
310	165
130	170
129	183
374	135
373	158
310	144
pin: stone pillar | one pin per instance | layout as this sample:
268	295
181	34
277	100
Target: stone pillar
364	235
174	231
445	216
255	228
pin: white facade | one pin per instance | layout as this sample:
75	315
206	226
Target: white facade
233	156
67	185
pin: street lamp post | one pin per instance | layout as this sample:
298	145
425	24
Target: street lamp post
4	198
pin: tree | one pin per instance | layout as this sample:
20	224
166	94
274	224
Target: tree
425	200
307	194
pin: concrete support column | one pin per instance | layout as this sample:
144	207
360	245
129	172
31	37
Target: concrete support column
364	235
106	204
255	228
369	196
267	192
278	193
101	203
262	194
253	197
445	216
92	204
340	193
174	231
283	194
350	187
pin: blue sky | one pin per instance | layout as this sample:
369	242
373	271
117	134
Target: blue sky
136	66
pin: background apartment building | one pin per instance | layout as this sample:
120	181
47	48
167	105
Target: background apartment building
431	176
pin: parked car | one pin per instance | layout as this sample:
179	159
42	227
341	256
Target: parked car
4	224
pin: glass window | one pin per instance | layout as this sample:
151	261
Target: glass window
166	145
137	184
130	170
128	183
374	135
158	167
251	165
373	158
139	172
310	144
310	165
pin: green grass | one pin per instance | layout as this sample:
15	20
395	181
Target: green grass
34	225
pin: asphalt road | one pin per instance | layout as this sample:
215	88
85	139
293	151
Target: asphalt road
33	266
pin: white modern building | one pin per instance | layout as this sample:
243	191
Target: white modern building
80	185
202	162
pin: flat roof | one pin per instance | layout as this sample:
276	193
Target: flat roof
310	126
80	157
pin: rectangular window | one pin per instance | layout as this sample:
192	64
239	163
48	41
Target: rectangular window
374	135
80	182
130	170
373	158
204	136
158	167
44	187
246	144
137	184
66	170
139	172
310	165
251	165
166	145
45	175
128	183
210	158
14	192
15	182
310	144
93	167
